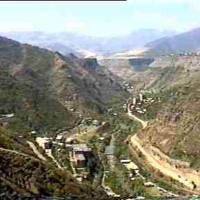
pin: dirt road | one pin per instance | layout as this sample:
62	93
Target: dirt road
188	177
144	123
184	178
35	150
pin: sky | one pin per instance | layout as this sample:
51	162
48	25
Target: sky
106	18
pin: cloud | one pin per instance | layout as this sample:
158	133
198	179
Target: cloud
162	21
76	26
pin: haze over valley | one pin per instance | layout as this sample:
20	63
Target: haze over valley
100	107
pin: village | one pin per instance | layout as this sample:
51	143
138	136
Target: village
140	103
77	151
72	145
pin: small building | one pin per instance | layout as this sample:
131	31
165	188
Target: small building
80	154
44	142
149	184
96	122
59	138
141	97
134	101
81	148
125	161
33	132
130	166
71	140
80	160
101	138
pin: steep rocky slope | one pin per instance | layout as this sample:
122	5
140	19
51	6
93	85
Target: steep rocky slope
176	129
162	72
49	90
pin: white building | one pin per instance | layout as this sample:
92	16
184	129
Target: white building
59	138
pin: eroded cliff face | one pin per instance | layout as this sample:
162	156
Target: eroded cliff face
153	73
175	129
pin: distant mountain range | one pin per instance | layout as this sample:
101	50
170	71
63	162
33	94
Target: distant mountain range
86	45
150	41
181	43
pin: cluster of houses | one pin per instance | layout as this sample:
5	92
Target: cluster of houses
79	153
182	54
137	104
128	86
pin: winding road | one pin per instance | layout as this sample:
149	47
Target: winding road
187	176
144	123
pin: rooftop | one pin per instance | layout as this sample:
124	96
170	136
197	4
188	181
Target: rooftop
80	157
81	147
59	137
131	165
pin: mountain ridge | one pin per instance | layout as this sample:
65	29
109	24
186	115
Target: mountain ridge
186	42
69	42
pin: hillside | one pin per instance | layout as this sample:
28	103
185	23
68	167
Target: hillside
48	91
183	43
175	132
23	174
159	73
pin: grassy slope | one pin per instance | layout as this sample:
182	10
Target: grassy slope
33	109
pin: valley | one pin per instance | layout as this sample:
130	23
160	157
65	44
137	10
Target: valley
111	127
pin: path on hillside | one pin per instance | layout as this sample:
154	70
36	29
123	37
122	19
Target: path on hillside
18	153
49	153
185	177
35	150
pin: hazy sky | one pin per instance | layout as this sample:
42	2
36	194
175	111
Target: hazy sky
100	18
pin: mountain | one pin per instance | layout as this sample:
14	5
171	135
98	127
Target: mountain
73	42
48	91
182	43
